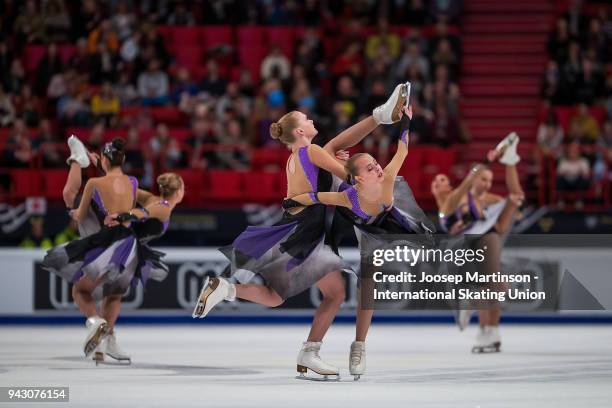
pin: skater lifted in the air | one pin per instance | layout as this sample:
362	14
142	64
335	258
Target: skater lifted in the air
108	259
293	255
472	209
376	203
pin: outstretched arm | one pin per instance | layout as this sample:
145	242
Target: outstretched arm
327	198
400	155
351	136
144	198
454	198
324	160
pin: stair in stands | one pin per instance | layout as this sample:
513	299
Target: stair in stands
504	57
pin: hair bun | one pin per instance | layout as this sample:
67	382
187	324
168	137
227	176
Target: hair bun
276	130
119	143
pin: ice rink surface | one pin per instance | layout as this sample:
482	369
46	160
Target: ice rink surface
254	366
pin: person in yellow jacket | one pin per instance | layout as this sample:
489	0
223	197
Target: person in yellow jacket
36	237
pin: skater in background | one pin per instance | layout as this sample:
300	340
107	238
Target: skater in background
377	203
472	209
106	260
292	255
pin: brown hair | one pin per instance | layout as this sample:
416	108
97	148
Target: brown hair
168	184
115	151
351	166
283	129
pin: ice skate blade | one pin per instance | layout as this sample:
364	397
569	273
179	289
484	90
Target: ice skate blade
121	361
494	348
356	377
95	340
324	377
207	289
98	357
401	101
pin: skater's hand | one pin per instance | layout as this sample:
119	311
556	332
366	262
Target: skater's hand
94	158
493	155
517	199
407	110
342	155
110	220
457	227
72	214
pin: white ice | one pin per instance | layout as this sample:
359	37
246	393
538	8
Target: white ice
254	365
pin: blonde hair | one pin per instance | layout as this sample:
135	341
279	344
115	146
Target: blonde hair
351	166
168	184
283	129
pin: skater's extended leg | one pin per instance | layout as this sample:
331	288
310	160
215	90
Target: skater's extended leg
364	314
73	184
333	290
260	294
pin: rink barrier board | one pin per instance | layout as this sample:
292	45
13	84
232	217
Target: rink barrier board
18	281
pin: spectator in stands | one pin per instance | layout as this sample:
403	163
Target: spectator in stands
153	85
125	90
95	141
104	65
310	54
584	125
180	16
234	151
57	20
49	65
36	236
605	141
88	18
6	56
589	83
202	140
29	27
576	20
445	128
184	88
347	98
552	85
447	10
349	58
72	110
550	136
123	21
412	57
165	150
70	233
443	34
233	99
130	48
412	13
152	40
58	86
558	42
7	110
275	65
245	83
103	34
572	68
573	170
213	83
383	37
81	61
16	78
444	55
421	124
134	155
46	146
29	107
18	151
105	105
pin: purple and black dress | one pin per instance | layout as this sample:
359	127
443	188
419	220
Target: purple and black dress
291	255
116	253
475	222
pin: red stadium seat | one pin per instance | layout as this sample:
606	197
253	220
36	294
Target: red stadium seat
225	185
25	183
180	134
186	36
250	35
194	185
283	37
217	35
188	55
66	51
262	186
53	185
251	57
33	55
167	114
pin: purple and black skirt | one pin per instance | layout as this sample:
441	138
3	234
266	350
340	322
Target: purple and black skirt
289	256
114	255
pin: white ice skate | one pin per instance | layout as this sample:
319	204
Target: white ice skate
464	315
98	330
114	351
213	291
390	111
308	359
357	359
487	340
509	156
78	152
